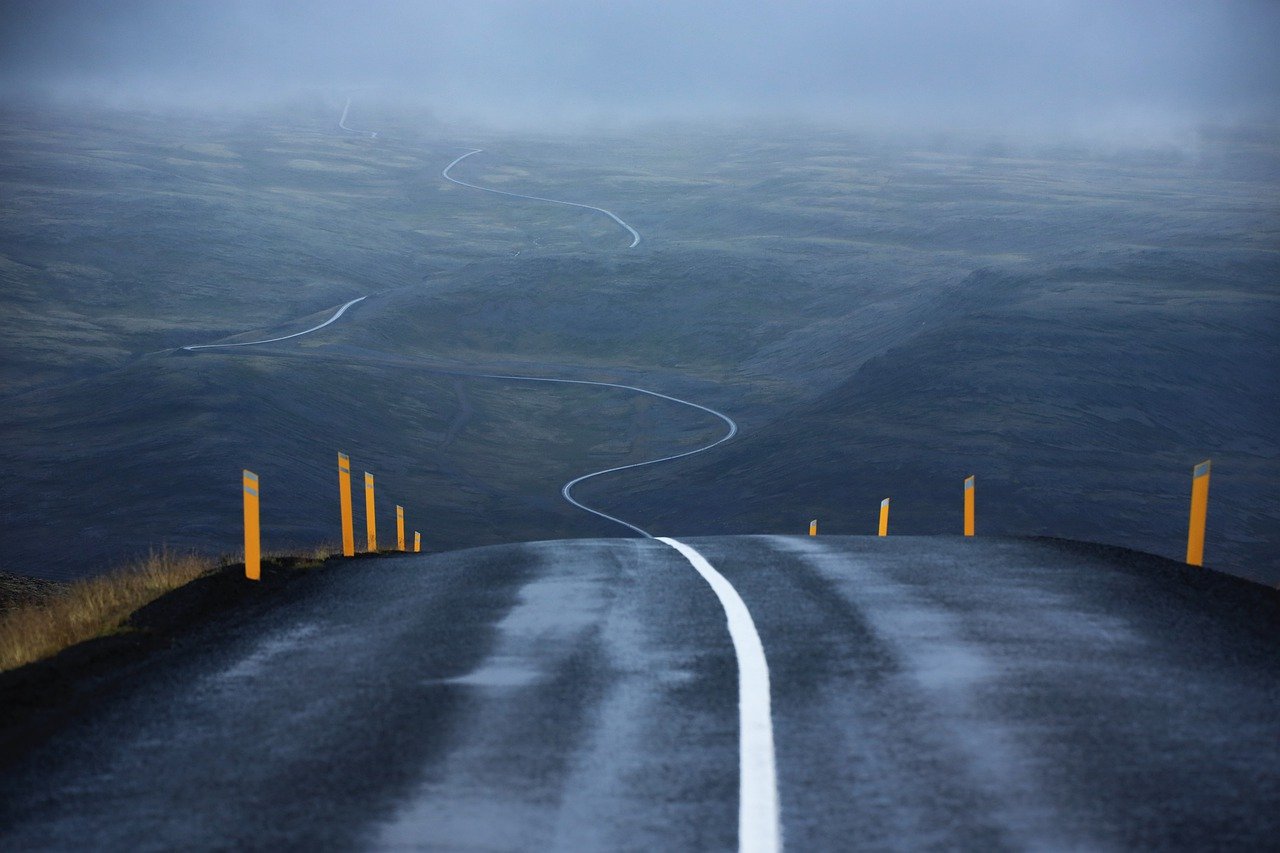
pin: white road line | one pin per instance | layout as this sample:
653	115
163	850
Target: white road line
444	173
336	315
342	122
759	827
567	490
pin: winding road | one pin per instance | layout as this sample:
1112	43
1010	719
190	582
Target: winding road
919	693
342	123
566	491
758	813
317	328
444	173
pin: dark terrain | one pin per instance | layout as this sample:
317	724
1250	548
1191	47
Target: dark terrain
20	590
1077	327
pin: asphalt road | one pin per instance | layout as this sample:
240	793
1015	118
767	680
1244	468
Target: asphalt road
342	310
584	695
444	173
342	123
567	489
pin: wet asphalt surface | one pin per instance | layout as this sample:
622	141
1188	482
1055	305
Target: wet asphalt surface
582	695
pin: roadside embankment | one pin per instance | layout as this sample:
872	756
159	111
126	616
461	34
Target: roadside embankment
39	619
77	646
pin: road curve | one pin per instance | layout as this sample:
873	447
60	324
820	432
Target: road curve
342	123
335	316
444	173
567	490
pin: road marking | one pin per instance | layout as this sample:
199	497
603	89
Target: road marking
336	315
759	828
444	173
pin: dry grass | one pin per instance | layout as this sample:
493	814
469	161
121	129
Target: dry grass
310	557
93	607
99	606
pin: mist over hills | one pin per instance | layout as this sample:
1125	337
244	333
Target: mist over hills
1137	71
1076	418
881	318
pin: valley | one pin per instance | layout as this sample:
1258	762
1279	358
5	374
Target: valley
881	317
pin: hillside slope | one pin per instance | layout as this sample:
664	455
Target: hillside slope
1080	398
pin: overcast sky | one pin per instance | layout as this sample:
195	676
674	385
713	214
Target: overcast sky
1060	65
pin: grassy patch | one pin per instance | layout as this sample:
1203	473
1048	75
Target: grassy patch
100	606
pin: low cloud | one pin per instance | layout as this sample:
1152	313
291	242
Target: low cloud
1053	66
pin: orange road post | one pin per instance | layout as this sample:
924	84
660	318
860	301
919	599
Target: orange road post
252	532
813	527
968	505
344	501
370	518
1199	509
399	528
884	517
417	542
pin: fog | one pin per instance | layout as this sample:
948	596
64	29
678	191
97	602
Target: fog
1053	66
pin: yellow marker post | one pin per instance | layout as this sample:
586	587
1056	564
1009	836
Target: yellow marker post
417	542
813	527
1199	509
968	505
884	517
370	519
344	501
252	533
399	528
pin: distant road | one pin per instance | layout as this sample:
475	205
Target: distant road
567	490
342	123
927	693
885	693
635	235
335	316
